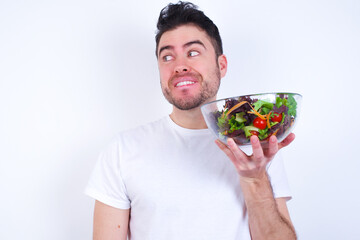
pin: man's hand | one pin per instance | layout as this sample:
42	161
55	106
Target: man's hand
253	167
268	217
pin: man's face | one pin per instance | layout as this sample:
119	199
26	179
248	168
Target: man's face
190	73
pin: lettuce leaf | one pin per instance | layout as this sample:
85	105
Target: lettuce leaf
292	105
236	122
263	104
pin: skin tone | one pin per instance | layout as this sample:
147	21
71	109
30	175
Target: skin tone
268	217
190	76
189	73
110	223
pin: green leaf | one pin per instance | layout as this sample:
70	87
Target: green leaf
234	124
273	124
239	117
283	118
248	129
222	121
262	103
279	102
263	133
292	105
265	110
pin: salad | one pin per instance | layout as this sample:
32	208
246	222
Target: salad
243	117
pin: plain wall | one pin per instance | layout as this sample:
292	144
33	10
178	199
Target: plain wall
74	73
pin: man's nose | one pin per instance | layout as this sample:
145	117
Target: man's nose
182	68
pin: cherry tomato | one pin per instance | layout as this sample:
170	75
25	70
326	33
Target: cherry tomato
254	133
259	123
277	117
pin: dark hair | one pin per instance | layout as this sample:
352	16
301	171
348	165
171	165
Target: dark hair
181	13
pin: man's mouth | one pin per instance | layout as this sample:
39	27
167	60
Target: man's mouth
184	83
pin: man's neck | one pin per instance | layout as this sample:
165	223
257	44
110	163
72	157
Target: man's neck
191	119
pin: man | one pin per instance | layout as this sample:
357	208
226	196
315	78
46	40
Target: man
167	179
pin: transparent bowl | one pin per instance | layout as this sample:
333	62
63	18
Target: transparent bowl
243	116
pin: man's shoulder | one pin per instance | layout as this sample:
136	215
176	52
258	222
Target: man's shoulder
144	130
141	136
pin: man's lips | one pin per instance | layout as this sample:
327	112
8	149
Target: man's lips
184	81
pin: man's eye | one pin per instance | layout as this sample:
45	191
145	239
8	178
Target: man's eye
167	58
193	53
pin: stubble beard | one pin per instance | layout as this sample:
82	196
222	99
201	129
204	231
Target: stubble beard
208	90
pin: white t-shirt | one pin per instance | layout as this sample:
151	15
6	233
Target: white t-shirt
177	182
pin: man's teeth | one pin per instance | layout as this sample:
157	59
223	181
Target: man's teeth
184	83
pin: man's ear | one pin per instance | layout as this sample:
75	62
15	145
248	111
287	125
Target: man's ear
222	61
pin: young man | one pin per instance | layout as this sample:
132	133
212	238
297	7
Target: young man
168	179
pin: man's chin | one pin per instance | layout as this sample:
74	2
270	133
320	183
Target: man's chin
187	104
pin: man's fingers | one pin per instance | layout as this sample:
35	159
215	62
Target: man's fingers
273	146
240	155
225	149
287	140
258	153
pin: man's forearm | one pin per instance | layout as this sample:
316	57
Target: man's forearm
265	220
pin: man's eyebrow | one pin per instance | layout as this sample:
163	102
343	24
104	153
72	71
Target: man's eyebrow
164	48
188	44
194	42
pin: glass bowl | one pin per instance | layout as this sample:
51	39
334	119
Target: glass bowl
262	114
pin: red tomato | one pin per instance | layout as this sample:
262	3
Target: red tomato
254	133
277	117
259	123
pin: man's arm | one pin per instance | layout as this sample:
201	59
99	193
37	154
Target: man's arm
268	218
110	223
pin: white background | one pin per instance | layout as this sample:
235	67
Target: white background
74	73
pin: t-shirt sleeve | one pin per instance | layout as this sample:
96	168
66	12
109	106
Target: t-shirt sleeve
106	184
278	178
